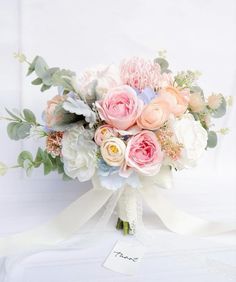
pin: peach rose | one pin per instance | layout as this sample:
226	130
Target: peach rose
143	153
121	107
51	118
178	99
154	114
103	132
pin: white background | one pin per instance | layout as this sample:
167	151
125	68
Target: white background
198	34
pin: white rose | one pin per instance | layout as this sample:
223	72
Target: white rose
93	84
193	137
113	151
79	153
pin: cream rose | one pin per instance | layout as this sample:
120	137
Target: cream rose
113	151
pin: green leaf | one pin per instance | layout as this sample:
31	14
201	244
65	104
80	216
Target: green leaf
163	64
18	130
3	169
44	87
23	130
40	67
47	77
221	110
29	116
13	115
39	158
65	177
48	166
197	89
23	156
63	78
37	81
32	66
212	139
12	129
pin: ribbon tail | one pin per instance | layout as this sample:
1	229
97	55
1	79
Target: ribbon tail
60	228
179	221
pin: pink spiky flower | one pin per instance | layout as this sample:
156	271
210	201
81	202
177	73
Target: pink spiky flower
140	73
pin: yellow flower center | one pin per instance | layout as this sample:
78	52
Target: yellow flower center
113	149
104	131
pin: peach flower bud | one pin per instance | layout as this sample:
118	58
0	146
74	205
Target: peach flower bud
214	101
196	102
178	99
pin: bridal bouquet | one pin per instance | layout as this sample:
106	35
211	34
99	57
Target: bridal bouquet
123	126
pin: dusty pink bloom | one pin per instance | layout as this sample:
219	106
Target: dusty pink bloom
51	117
120	108
140	73
143	153
214	101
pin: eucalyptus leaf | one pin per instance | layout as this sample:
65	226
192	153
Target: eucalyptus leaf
212	139
37	81
40	67
197	89
47	76
12	115
32	66
23	156
163	64
221	110
29	116
63	78
45	87
23	130
12	129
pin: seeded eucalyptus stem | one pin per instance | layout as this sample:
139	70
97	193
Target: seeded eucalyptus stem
123	225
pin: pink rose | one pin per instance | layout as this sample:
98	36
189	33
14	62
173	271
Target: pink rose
178	99
154	114
121	107
51	118
143	153
103	132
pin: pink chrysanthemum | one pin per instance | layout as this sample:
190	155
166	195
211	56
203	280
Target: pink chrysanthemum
140	73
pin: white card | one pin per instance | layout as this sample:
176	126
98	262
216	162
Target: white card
125	257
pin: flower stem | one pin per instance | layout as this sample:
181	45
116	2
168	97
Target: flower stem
123	225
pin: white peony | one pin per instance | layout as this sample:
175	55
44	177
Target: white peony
79	153
193	137
93	84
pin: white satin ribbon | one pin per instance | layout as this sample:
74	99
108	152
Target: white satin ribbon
61	227
179	221
68	222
